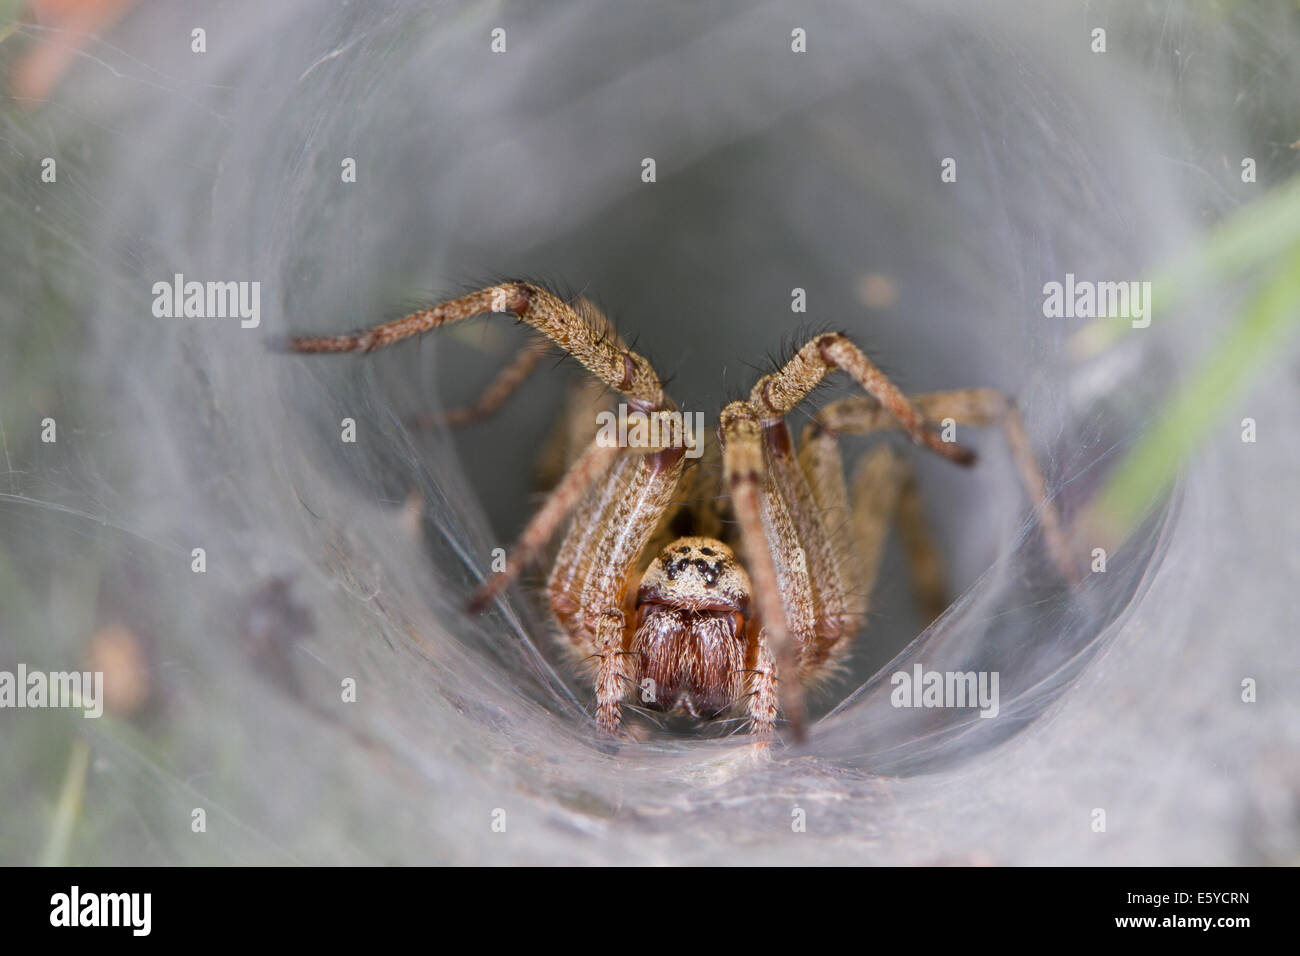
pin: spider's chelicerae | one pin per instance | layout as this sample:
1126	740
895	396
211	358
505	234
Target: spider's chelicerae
649	584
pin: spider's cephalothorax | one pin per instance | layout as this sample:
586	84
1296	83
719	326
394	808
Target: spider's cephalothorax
689	649
677	623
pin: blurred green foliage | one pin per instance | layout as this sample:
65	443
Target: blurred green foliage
1261	244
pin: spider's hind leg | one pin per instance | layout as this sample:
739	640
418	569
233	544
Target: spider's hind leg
490	400
885	492
861	414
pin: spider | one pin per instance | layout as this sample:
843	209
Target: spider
689	607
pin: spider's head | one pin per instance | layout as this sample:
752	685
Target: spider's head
690	627
698	574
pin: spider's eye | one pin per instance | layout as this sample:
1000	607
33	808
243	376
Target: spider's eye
707	552
683	550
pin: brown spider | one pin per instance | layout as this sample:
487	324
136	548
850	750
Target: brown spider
681	619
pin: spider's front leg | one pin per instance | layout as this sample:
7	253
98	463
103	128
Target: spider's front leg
581	330
589	583
578	328
777	566
807	609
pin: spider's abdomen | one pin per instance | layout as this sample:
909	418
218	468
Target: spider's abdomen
690	638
